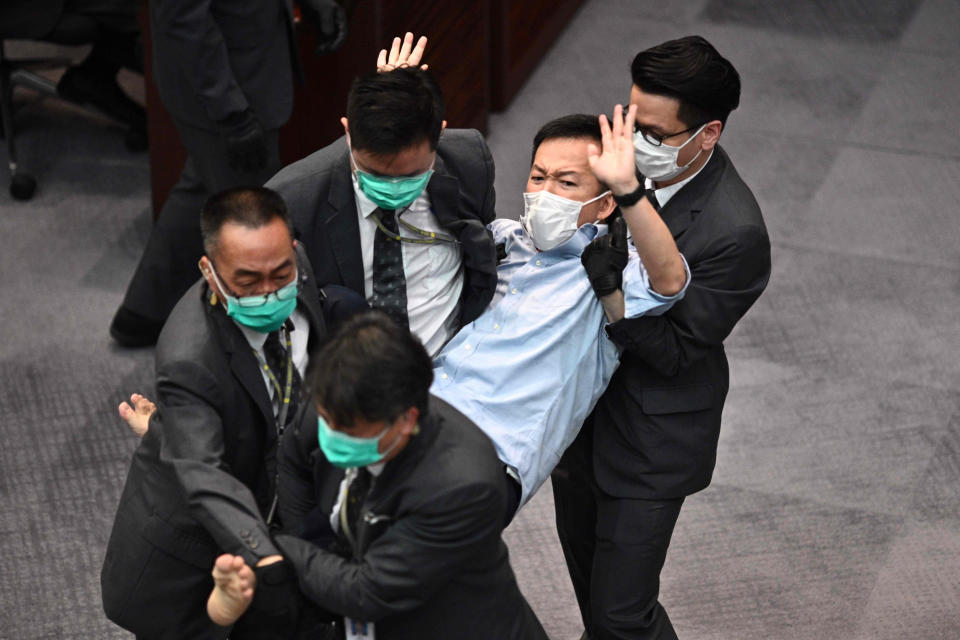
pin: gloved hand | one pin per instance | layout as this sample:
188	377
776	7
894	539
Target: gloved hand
605	259
246	143
330	21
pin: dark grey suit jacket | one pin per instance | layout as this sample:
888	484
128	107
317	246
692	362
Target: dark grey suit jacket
234	54
203	478
318	191
656	427
429	561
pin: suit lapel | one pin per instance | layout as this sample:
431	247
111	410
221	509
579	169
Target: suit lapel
687	203
342	226
243	363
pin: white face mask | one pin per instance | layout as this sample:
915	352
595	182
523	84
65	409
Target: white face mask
549	219
660	163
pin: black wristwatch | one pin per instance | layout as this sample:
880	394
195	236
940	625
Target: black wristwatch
630	199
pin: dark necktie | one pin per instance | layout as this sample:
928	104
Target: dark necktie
353	502
389	282
276	356
652	197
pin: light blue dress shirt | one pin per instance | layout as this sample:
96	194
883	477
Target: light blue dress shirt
529	370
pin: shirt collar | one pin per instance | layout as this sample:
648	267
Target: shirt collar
364	203
664	194
573	247
255	338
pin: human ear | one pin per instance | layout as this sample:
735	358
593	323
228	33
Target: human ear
607	205
711	134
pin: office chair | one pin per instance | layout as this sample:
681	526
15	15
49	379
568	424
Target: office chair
71	30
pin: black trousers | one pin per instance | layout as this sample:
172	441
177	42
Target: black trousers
168	266
614	548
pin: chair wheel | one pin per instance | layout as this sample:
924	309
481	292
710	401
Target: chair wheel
22	186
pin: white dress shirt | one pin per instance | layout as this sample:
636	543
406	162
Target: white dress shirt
434	272
298	345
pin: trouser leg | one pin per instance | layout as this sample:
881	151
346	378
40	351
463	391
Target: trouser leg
169	263
632	541
575	507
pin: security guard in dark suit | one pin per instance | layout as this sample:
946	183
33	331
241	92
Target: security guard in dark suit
652	438
228	364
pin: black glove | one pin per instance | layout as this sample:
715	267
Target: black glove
246	143
330	21
605	258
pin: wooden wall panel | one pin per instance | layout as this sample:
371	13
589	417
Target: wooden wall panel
522	31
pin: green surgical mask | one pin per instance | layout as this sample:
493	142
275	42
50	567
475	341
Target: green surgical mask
263	313
345	451
392	193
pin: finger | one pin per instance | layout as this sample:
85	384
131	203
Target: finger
407	45
382	59
424	67
417	54
619	239
394	51
125	410
617	122
630	122
605	137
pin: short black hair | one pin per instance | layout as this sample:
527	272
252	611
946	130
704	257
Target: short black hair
691	70
251	207
575	126
371	368
392	111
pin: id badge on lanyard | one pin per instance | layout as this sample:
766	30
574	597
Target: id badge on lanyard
357	630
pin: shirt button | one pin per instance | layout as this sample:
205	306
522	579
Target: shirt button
514	291
539	263
496	326
443	376
467	347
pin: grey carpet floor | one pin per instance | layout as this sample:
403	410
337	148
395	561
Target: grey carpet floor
835	507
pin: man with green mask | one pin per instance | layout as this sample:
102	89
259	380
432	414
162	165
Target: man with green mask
406	542
228	365
397	208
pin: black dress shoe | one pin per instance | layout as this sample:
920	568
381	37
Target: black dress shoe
84	85
131	329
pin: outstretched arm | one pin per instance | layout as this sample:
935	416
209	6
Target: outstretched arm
614	165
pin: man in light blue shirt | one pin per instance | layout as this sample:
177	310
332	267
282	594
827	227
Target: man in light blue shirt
532	366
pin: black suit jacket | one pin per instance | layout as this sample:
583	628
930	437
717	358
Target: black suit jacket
656	427
222	57
318	191
429	560
203	477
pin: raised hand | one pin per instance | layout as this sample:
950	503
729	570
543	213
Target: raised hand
402	54
137	413
614	164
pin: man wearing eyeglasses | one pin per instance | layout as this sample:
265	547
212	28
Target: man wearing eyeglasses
228	367
652	438
397	209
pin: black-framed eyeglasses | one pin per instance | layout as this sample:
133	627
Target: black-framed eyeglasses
286	292
657	140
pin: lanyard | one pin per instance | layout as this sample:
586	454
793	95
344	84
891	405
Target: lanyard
426	237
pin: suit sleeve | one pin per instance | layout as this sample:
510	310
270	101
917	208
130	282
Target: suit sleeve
403	568
201	46
722	287
192	445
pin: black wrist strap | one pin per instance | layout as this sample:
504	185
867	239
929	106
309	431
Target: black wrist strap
630	199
